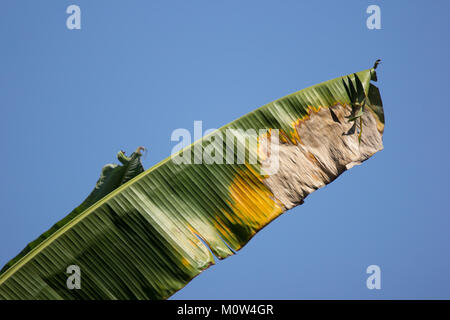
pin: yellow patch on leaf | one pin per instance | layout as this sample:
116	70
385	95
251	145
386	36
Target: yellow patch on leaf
253	204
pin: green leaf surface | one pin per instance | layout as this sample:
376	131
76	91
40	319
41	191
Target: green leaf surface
144	236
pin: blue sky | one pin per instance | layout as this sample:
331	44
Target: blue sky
137	70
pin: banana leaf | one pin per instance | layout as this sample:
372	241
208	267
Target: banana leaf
147	237
111	177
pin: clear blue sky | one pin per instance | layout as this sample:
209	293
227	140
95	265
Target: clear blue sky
137	70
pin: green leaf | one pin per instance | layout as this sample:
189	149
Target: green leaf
111	177
359	89
353	93
358	114
347	90
146	236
